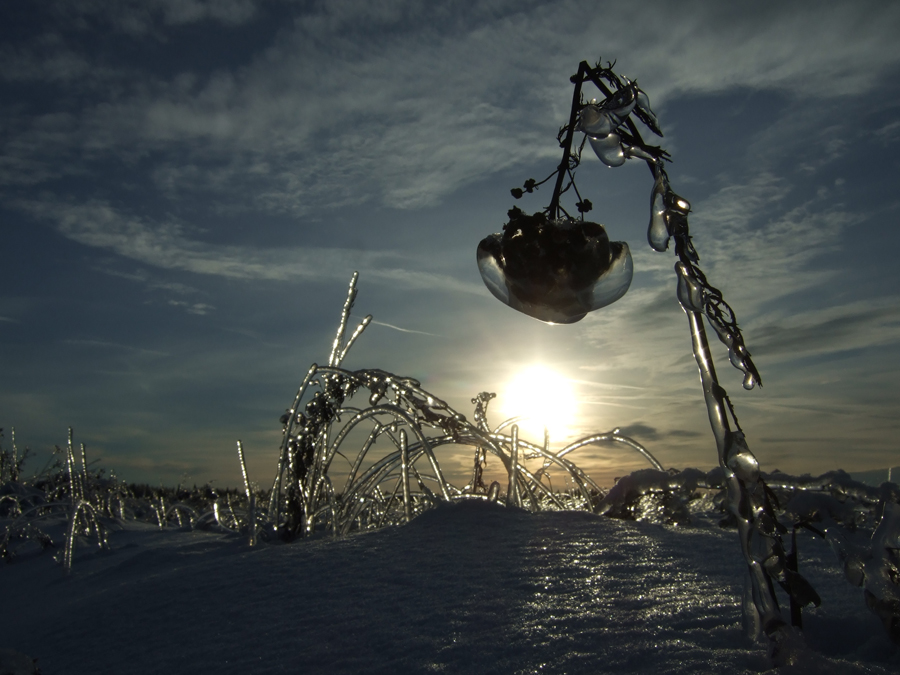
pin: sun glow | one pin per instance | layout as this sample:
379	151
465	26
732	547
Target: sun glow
545	397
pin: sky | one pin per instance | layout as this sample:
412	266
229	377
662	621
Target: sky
187	186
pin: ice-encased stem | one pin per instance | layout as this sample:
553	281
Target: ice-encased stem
613	436
240	449
275	495
563	169
359	329
404	474
75	483
744	488
78	507
251	498
512	494
15	464
336	351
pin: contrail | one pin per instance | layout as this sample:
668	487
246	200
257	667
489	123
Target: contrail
404	330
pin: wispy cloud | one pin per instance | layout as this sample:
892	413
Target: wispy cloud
858	325
198	308
640	430
167	246
889	132
104	344
141	17
142	277
404	104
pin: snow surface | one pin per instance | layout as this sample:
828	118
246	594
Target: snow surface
467	588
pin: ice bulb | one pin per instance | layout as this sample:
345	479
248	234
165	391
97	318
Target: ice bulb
609	149
555	271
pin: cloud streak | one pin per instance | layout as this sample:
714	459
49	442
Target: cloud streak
403	330
104	344
167	246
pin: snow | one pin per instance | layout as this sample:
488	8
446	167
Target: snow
472	587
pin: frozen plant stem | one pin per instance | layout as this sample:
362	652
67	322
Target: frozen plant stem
512	495
251	497
404	474
563	169
508	267
746	492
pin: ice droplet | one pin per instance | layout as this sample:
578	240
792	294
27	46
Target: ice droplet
621	103
658	231
635	152
608	149
643	102
749	381
595	122
689	292
555	271
600	120
677	204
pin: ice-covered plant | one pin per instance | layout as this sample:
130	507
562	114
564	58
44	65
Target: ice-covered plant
71	498
10	461
556	268
393	474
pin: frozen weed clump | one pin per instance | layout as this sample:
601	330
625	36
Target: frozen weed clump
347	466
10	461
312	492
66	495
68	502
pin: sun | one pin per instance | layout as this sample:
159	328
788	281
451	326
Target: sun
545	397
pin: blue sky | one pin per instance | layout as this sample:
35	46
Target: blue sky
187	186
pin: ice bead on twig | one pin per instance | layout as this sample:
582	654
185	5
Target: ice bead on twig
608	149
601	120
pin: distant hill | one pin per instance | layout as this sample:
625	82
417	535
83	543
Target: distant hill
878	476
